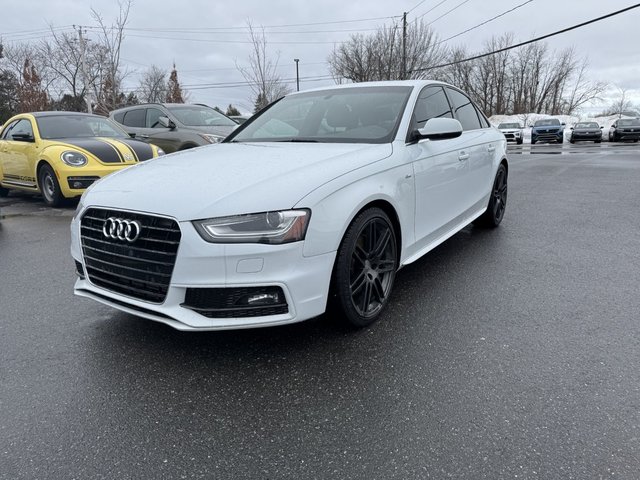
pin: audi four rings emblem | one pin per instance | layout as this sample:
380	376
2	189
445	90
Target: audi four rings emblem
121	229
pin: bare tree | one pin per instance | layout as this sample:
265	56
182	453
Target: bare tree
261	75
620	104
583	90
527	79
63	56
153	85
379	56
108	86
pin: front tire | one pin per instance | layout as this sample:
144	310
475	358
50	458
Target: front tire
494	214
49	186
365	268
4	192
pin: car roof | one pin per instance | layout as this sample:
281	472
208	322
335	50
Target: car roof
62	112
387	83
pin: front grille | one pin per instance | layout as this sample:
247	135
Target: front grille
140	269
232	302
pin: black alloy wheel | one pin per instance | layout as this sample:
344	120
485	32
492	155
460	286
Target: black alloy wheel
365	268
497	201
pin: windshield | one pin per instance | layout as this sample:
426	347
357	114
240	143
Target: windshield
587	125
628	122
77	126
508	125
550	122
201	116
346	115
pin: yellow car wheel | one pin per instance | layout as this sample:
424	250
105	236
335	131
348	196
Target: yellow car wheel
49	186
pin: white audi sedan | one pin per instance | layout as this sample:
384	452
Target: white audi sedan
314	203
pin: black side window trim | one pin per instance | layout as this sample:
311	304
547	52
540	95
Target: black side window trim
477	110
414	124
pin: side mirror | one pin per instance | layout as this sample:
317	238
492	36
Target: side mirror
439	129
571	128
132	134
166	122
563	124
602	126
23	137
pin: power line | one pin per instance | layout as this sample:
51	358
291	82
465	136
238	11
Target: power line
430	10
412	9
483	23
534	40
447	12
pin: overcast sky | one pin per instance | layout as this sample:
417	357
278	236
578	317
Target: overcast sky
207	38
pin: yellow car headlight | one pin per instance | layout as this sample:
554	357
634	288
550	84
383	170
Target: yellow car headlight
73	159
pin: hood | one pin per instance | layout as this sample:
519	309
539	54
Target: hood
231	178
109	150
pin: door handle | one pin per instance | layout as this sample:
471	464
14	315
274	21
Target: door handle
462	156
491	149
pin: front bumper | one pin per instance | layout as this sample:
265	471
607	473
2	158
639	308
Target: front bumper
545	136
631	134
586	136
75	180
303	280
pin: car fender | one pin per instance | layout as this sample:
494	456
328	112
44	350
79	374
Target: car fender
335	204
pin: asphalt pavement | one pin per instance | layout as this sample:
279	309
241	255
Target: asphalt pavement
509	353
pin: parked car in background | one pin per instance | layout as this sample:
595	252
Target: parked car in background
319	200
512	132
59	154
625	129
174	126
589	131
547	130
239	119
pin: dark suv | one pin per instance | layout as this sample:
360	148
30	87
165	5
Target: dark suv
174	126
625	129
547	130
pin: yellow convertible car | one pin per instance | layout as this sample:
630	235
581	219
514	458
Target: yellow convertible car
60	154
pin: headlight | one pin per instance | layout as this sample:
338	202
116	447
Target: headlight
211	138
73	159
160	151
268	227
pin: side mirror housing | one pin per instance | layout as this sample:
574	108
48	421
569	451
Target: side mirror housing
166	122
23	137
439	129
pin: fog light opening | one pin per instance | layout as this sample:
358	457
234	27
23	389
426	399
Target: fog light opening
260	299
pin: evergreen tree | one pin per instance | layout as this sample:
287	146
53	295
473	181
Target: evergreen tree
232	111
174	94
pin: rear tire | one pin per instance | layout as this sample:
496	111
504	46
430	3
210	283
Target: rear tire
494	214
49	186
365	268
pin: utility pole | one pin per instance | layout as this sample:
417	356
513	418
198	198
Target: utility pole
404	46
87	88
297	75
